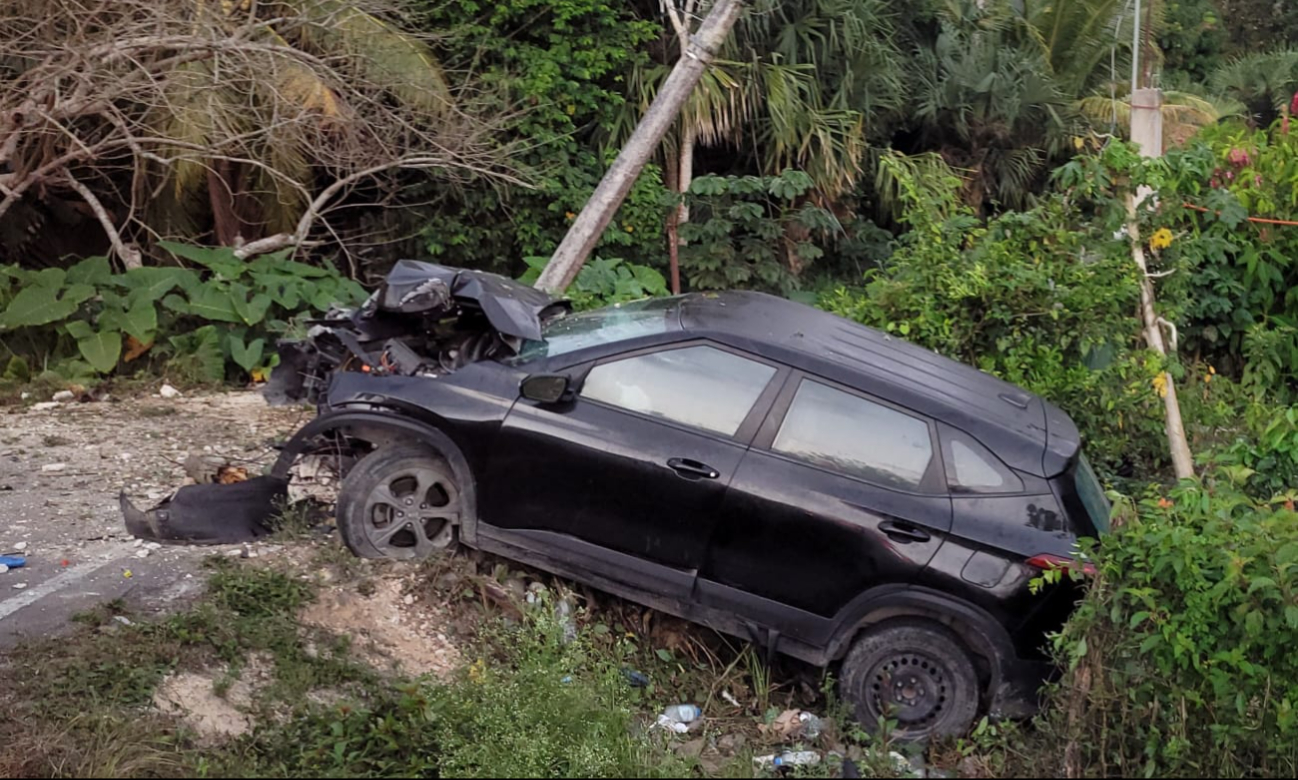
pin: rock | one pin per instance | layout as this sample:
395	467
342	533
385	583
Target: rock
20	546
142	553
3	568
20	586
52	467
153	546
517	587
409	599
168	391
25	395
731	743
138	543
693	748
45	406
64	395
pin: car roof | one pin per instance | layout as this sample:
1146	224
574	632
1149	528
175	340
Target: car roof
1022	428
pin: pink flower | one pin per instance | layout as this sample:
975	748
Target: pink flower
1257	180
1238	157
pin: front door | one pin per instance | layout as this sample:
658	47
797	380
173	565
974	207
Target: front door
638	464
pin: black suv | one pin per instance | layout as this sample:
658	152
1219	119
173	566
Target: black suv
758	466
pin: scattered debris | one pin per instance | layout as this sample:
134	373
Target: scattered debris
168	391
636	679
208	514
12	561
44	406
20	546
730	699
792	724
123	620
678	717
51	467
20	585
789	758
64	395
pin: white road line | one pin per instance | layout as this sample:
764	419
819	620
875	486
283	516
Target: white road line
57	583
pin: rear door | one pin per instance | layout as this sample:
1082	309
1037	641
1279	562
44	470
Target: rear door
637	466
840	492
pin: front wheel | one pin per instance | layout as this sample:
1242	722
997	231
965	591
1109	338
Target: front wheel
916	674
400	502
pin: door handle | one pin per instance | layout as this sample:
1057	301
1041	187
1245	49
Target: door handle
901	531
692	469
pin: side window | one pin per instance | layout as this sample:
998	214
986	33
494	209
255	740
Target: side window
860	438
972	468
700	386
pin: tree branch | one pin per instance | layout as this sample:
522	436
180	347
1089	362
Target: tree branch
129	255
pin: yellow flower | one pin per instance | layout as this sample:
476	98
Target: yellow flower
570	215
477	672
1160	384
1162	239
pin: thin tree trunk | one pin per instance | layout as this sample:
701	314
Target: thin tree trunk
686	178
612	190
1182	460
672	175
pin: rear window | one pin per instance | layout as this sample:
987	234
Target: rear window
1091	493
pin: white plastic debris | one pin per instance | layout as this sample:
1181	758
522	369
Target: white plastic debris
20	586
64	395
52	467
168	391
45	406
123	620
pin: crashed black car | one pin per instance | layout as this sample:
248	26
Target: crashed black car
780	474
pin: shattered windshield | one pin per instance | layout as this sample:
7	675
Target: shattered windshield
622	322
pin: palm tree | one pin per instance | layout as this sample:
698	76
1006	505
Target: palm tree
1264	82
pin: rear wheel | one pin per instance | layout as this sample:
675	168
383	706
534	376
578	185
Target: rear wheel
401	502
916	674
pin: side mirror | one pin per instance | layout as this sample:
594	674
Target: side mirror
546	388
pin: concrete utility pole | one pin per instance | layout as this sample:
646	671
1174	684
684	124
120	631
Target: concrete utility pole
613	188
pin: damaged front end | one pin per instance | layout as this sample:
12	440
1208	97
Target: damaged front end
425	320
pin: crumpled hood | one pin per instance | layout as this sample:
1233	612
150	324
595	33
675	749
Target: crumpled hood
512	308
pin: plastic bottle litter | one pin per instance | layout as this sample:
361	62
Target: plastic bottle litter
678	717
563	611
636	679
799	758
811	725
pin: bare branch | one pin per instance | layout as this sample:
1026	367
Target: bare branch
129	255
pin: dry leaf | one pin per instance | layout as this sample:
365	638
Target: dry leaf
228	475
134	348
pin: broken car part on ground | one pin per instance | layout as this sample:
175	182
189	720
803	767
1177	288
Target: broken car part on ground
774	472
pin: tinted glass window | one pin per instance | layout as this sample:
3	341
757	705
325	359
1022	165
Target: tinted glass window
700	386
1091	492
602	326
854	436
971	468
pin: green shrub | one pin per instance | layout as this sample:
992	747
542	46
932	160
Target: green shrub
87	321
604	281
1182	654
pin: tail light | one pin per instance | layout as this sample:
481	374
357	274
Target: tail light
1045	562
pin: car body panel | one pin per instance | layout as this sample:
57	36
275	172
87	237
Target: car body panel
792	555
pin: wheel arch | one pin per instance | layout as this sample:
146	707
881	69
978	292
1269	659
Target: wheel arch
981	633
380	426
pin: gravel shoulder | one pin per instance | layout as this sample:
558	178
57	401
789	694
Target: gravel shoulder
61	471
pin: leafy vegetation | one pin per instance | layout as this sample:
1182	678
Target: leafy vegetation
88	321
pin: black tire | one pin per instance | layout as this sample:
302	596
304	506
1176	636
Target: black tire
400	502
937	697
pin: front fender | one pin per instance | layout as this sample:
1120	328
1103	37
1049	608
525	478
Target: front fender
381	426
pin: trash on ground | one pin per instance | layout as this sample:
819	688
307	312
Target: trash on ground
20	586
123	620
789	758
730	699
678	717
811	725
13	561
63	395
20	546
168	391
209	514
791	724
51	467
636	679
563	611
